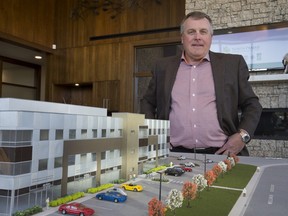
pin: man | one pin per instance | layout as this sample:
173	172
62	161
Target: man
201	93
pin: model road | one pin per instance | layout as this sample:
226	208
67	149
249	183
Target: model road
268	199
270	196
137	202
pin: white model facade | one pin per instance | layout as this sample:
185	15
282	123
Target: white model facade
32	137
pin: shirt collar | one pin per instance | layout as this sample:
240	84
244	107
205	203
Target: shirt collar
206	58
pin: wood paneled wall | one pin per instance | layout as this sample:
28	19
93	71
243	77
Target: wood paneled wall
77	59
30	22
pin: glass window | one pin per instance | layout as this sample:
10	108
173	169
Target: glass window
59	134
20	81
44	134
94	133
72	134
146	56
57	162
103	155
71	160
15	168
43	164
19	154
83	133
93	156
273	124
15	137
103	133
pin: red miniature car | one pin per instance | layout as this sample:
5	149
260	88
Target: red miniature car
185	168
76	209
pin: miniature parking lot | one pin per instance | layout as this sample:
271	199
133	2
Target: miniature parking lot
266	195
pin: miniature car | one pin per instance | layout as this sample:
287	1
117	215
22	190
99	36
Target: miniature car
118	190
112	196
76	209
181	157
132	187
189	164
209	161
186	169
174	171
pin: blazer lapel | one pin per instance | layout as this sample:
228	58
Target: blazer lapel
218	69
170	78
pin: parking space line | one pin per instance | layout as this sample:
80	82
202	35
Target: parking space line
272	187
270	199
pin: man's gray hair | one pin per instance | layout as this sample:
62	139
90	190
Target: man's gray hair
196	15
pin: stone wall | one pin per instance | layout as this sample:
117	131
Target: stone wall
233	13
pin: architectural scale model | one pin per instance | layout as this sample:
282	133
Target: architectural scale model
46	145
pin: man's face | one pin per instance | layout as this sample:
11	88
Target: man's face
196	39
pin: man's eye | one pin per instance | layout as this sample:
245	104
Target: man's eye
204	32
191	32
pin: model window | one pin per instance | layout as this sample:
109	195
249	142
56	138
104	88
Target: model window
94	132
83	133
43	164
72	134
59	134
103	133
19	154
44	134
15	137
57	162
103	155
71	160
93	155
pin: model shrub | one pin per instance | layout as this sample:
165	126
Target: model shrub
66	199
156	169
100	188
29	211
119	181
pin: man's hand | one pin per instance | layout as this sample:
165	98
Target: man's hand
233	145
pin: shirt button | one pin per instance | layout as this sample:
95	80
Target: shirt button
193	109
193	95
193	79
194	125
194	66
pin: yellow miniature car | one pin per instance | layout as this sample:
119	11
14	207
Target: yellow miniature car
132	187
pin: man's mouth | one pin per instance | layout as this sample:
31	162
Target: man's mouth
197	45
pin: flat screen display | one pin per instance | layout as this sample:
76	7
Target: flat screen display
262	49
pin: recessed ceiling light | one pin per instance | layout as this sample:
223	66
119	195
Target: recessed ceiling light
38	57
76	84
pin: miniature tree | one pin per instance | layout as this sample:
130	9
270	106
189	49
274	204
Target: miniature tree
228	163
235	157
189	191
232	161
217	170
210	177
200	181
223	167
156	208
174	200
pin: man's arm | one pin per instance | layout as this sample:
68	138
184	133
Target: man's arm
148	103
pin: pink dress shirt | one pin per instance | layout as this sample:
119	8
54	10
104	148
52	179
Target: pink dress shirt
193	115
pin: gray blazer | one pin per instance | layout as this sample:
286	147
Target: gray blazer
234	93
